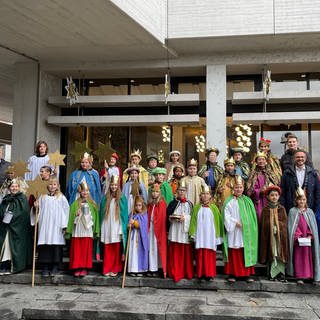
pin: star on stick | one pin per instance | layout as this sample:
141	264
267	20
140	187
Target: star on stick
79	149
104	151
37	187
20	168
56	159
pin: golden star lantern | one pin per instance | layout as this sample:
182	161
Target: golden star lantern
20	168
37	187
79	149
104	151
56	159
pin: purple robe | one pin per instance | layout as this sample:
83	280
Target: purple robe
258	198
302	256
143	244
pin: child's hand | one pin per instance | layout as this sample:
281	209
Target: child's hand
182	218
78	212
238	224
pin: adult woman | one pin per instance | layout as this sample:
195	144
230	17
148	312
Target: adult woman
14	230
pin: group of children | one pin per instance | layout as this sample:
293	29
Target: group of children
166	229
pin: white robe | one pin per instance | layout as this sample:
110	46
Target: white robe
231	217
111	229
205	237
83	223
34	165
178	231
53	218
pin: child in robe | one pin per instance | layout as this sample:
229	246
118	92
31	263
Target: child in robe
157	220
113	221
206	230
180	251
165	189
52	223
273	234
138	242
83	227
304	260
241	234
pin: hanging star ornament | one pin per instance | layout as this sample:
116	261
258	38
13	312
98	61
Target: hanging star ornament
37	187
72	91
79	149
56	159
104	151
20	168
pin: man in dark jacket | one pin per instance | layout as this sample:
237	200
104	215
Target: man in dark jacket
300	175
287	158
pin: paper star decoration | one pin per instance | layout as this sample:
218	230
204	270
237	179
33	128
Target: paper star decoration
56	159
20	168
37	187
72	92
104	151
79	149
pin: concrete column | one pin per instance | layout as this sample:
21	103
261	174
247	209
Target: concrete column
25	111
216	108
31	110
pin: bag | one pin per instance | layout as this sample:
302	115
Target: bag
8	215
304	242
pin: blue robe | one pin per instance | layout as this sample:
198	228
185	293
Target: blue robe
92	179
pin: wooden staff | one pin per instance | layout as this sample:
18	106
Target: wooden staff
34	245
126	259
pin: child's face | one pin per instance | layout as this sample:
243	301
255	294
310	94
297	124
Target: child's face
238	190
261	162
174	157
178	173
84	194
112	161
159	177
302	202
273	196
44	174
52	186
152	163
14	188
85	164
113	187
155	194
264	148
237	156
205	197
134	175
192	171
138	207
135	160
212	157
229	167
181	193
42	149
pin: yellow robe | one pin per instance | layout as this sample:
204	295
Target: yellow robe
194	188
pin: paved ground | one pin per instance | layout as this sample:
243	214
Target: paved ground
104	299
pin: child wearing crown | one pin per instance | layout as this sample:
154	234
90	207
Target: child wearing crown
135	158
83	227
113	226
304	263
206	230
52	223
193	182
157	221
241	234
110	169
273	232
138	245
84	174
180	251
134	187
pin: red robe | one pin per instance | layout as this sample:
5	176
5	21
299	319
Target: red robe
160	230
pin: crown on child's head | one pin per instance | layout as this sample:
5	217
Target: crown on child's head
300	193
114	179
205	189
192	162
83	186
137	153
229	161
87	156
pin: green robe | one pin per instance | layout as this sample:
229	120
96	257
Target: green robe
166	192
124	217
249	230
216	218
19	229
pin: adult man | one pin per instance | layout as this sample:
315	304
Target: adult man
3	167
300	175
287	159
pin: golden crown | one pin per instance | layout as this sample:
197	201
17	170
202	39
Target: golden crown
229	161
239	180
182	184
300	193
260	154
192	162
212	149
205	189
87	156
115	179
137	153
156	187
83	186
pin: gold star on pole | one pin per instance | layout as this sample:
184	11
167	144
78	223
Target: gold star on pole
79	149
56	159
104	151
20	168
37	187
